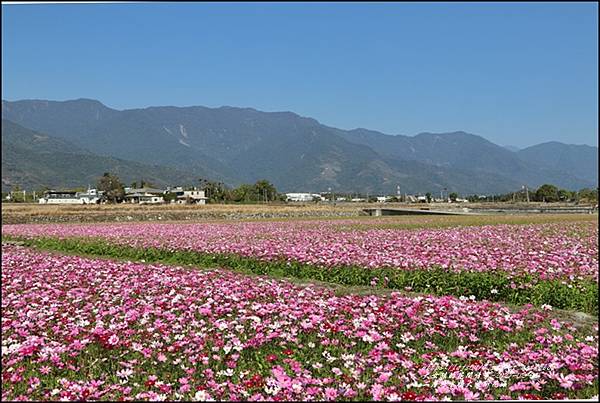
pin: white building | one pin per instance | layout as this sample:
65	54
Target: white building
191	196
54	197
383	199
302	197
144	195
92	196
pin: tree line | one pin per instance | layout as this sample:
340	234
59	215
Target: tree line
215	191
547	193
264	191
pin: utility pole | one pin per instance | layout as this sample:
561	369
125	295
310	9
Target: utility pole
526	192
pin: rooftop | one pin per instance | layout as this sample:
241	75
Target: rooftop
145	190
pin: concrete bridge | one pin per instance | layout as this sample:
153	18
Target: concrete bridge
381	211
539	210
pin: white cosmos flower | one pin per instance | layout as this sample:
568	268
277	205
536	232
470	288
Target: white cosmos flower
203	396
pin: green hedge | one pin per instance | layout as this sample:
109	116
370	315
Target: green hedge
581	296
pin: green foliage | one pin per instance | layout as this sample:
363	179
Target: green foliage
453	196
168	197
112	187
588	195
494	286
243	193
547	192
261	191
22	196
565	195
265	190
215	191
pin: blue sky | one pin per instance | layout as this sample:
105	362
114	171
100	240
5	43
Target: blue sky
515	73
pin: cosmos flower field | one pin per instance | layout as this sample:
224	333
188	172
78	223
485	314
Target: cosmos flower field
93	328
79	328
548	251
552	263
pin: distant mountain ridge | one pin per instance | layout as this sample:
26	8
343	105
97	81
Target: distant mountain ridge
34	160
511	148
576	159
296	153
469	152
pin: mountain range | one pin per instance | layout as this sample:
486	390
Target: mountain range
34	160
72	142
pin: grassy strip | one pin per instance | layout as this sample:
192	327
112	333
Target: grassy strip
581	296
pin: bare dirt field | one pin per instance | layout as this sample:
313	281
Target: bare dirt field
21	213
18	213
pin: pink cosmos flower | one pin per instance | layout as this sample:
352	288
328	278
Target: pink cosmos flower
330	393
566	381
45	370
113	340
469	395
377	391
